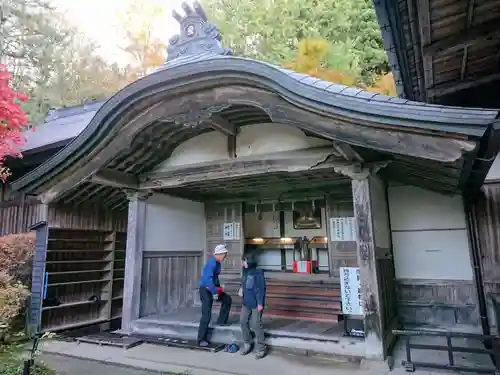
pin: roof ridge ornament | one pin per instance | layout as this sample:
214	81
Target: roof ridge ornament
197	35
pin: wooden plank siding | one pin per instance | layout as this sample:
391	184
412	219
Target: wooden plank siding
170	281
488	217
301	297
17	216
436	302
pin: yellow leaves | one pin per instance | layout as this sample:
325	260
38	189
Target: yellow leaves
139	21
384	85
311	60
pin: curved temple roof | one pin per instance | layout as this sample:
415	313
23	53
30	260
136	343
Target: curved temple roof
201	78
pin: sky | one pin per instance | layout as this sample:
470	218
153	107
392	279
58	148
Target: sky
99	20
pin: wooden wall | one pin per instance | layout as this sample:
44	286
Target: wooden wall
169	281
488	216
341	254
437	302
17	216
217	215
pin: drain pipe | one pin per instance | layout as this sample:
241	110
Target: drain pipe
473	233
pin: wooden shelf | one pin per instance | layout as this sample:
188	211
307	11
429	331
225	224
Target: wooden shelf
80	251
81	323
69	304
78	240
79	282
77	272
75	254
77	261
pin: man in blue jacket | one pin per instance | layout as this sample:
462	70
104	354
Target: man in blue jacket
253	292
210	291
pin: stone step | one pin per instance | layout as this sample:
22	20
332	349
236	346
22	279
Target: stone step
295	342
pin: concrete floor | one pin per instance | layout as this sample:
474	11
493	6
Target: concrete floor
74	366
87	359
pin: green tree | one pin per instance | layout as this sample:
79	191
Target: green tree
310	60
50	61
271	30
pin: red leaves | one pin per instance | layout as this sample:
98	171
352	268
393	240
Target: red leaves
12	120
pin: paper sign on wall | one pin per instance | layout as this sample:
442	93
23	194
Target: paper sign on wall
228	231
236	231
350	286
343	229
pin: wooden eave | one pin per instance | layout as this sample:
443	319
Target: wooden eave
187	95
439	50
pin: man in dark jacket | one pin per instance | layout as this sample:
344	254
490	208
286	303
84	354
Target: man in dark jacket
253	292
210	291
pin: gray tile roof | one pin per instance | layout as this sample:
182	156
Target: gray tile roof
60	125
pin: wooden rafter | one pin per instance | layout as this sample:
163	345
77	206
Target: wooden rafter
219	123
448	88
487	30
347	151
470	17
424	14
116	179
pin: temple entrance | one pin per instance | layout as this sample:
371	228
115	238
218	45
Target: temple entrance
287	224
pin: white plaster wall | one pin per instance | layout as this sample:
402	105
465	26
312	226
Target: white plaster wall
265	138
174	224
429	235
494	172
252	140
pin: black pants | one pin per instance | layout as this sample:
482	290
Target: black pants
206	311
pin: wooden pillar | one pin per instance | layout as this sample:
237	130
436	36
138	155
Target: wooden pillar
133	258
373	242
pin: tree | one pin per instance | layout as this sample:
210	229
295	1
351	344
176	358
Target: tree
12	120
271	30
147	51
50	61
311	60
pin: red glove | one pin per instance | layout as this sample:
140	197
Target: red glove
219	289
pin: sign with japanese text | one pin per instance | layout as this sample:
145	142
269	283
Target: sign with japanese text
350	286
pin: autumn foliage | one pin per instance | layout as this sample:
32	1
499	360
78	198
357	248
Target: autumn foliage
311	58
16	252
12	120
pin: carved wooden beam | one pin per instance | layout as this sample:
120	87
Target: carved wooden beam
219	123
116	179
483	31
448	88
347	151
294	161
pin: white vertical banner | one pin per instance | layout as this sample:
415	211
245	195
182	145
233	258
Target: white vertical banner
236	231
350	286
343	229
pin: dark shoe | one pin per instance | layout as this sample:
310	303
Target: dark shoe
245	349
261	353
203	344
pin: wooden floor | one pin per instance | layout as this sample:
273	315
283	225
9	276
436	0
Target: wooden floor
279	326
